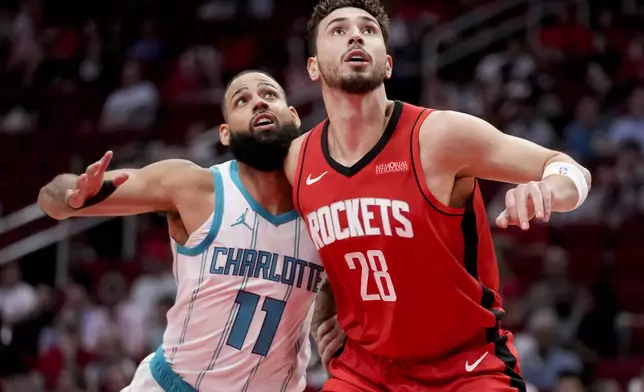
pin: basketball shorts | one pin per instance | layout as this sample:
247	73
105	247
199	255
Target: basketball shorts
490	368
143	380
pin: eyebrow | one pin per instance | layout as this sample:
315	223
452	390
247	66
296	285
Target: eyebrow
244	87
267	84
344	19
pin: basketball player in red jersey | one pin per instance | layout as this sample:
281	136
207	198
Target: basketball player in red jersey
390	196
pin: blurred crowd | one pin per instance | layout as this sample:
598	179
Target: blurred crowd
152	73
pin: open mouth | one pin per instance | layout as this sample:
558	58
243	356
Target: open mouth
264	121
357	56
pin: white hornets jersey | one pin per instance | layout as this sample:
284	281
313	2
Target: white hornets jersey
246	281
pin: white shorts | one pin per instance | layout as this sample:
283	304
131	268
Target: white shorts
143	380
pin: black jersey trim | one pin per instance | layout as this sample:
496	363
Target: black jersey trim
369	156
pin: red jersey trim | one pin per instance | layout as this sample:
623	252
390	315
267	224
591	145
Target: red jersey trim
299	170
418	170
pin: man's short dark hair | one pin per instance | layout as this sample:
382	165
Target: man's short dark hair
242	73
325	7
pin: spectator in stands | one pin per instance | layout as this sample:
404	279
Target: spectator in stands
531	125
119	316
568	382
77	305
70	381
113	369
542	357
132	106
607	386
637	383
196	77
155	284
583	136
515	63
18	299
568	301
149	47
630	127
632	70
91	69
157	322
18	332
66	357
115	378
597	335
628	181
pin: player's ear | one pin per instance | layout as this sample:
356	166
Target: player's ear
295	116
389	67
312	67
224	134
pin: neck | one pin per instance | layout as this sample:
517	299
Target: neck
356	121
270	189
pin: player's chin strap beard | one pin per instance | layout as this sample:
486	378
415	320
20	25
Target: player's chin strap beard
106	190
263	152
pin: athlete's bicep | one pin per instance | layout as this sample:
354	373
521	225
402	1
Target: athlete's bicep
151	188
474	148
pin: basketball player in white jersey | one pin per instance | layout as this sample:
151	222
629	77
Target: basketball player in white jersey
246	270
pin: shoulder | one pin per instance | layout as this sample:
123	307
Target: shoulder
291	161
446	128
181	173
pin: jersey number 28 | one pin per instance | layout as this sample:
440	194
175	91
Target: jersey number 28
377	266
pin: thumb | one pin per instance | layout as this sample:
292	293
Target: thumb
502	220
75	198
120	178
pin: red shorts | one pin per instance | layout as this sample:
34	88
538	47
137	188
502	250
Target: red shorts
489	368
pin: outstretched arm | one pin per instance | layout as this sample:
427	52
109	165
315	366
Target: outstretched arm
118	192
553	181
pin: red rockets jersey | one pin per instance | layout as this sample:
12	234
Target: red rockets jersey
412	278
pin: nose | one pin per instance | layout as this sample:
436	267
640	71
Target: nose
260	105
356	40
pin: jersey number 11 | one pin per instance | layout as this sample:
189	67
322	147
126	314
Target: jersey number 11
274	308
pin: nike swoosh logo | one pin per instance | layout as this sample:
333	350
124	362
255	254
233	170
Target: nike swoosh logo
469	368
311	181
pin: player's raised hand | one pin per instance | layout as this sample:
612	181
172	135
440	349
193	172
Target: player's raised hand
330	338
525	202
89	183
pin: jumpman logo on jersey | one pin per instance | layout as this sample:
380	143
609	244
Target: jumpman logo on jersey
242	220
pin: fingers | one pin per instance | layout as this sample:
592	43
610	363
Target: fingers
105	161
332	348
99	167
547	200
511	199
524	202
521	206
74	198
503	220
534	194
326	327
120	178
327	339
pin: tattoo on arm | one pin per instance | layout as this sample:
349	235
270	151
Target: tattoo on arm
324	307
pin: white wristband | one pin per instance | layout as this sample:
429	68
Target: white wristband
571	171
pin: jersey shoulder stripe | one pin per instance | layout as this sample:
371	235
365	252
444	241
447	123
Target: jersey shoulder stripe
216	220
